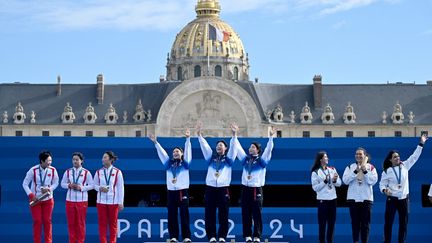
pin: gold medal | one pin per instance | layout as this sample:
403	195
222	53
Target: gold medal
217	174
249	177
174	180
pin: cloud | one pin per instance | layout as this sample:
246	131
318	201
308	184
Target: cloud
84	14
148	14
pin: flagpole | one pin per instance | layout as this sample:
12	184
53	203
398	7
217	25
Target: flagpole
208	48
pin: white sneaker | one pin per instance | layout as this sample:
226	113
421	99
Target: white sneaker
256	240
212	240
221	240
173	240
248	239
187	240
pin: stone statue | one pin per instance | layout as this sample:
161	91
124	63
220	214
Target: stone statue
397	116
149	115
292	117
111	116
32	117
68	116
5	117
125	117
349	116
19	115
306	116
277	114
384	117
411	117
327	116
89	116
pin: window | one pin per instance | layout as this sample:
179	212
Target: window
371	134
218	71
197	71
236	73
306	134
138	134
45	133
111	133
18	133
279	134
67	133
349	134
89	133
179	74
327	134
398	133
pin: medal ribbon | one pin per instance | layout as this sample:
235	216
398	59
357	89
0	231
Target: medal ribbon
79	174
398	178
42	181
107	180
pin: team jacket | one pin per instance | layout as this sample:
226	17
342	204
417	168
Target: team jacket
78	176
178	169
325	191
389	177
115	195
219	166
360	191
34	178
254	167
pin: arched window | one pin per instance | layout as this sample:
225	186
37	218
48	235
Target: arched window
197	71
179	74
218	71
236	73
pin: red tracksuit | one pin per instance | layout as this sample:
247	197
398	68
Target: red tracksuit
42	212
76	202
108	202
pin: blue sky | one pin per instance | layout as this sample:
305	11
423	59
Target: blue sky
288	41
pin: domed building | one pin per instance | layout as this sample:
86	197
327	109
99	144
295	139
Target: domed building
207	80
196	54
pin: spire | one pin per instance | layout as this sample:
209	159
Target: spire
207	8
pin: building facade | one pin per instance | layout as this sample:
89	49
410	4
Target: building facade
207	80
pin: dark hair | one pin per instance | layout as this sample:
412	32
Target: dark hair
181	150
258	146
43	155
387	161
79	155
111	155
317	161
222	141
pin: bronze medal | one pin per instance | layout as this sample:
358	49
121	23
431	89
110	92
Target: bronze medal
174	180
217	174
249	177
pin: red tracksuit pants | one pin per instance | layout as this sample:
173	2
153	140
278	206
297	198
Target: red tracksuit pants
42	215
76	213
107	217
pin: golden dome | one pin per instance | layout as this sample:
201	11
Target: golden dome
194	46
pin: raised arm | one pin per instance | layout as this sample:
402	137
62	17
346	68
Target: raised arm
416	154
266	155
163	156
188	148
232	151
205	147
